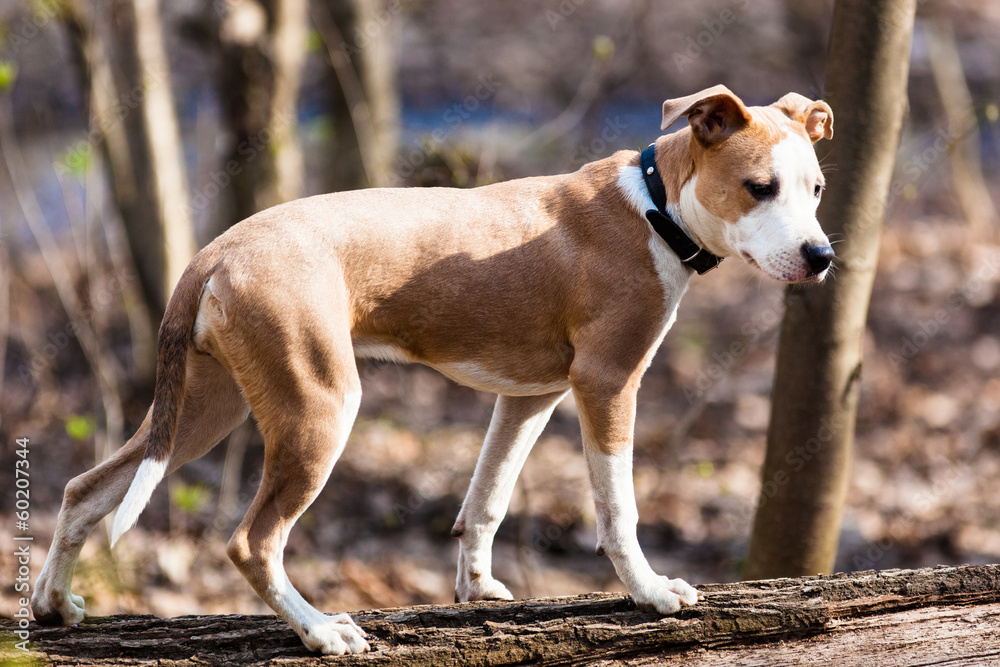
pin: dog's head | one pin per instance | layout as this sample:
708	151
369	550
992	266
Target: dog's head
757	182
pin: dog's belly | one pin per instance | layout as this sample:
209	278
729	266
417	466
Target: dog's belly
468	373
473	375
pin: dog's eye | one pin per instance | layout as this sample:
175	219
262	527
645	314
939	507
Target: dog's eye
818	190
762	191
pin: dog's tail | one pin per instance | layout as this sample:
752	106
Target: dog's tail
168	394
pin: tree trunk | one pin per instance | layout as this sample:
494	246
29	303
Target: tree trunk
895	617
814	403
263	51
125	76
378	78
166	151
291	29
963	129
362	98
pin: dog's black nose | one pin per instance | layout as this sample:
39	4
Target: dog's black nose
819	257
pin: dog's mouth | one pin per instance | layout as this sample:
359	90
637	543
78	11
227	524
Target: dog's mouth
785	278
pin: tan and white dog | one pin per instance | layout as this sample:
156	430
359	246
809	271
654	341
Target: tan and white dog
530	289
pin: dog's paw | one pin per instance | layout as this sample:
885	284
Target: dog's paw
336	635
482	588
51	608
665	595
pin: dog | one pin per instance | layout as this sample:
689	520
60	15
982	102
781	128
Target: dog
530	289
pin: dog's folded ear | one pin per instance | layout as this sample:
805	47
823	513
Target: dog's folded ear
816	116
714	114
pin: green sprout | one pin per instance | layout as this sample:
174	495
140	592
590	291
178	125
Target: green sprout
80	427
191	498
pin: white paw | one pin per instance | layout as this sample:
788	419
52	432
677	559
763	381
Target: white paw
482	588
336	635
665	595
52	608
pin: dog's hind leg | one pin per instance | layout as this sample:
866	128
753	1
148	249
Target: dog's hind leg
516	424
304	389
297	463
213	406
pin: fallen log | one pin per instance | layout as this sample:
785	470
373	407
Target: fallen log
892	617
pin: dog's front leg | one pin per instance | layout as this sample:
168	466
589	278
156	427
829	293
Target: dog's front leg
607	423
516	424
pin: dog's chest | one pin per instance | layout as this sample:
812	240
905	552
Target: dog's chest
673	279
672	275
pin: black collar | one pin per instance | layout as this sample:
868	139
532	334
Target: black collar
690	253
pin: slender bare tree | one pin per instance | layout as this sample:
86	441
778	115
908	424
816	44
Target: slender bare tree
963	127
166	153
814	403
362	99
125	76
262	53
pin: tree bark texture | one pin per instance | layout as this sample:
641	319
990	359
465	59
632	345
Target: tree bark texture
814	402
888	618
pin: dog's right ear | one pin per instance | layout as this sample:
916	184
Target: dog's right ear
714	114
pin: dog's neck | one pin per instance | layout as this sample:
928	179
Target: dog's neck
675	166
675	163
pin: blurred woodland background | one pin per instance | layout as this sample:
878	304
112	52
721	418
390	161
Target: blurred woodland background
133	134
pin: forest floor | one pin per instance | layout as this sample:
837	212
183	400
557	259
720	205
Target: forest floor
923	485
